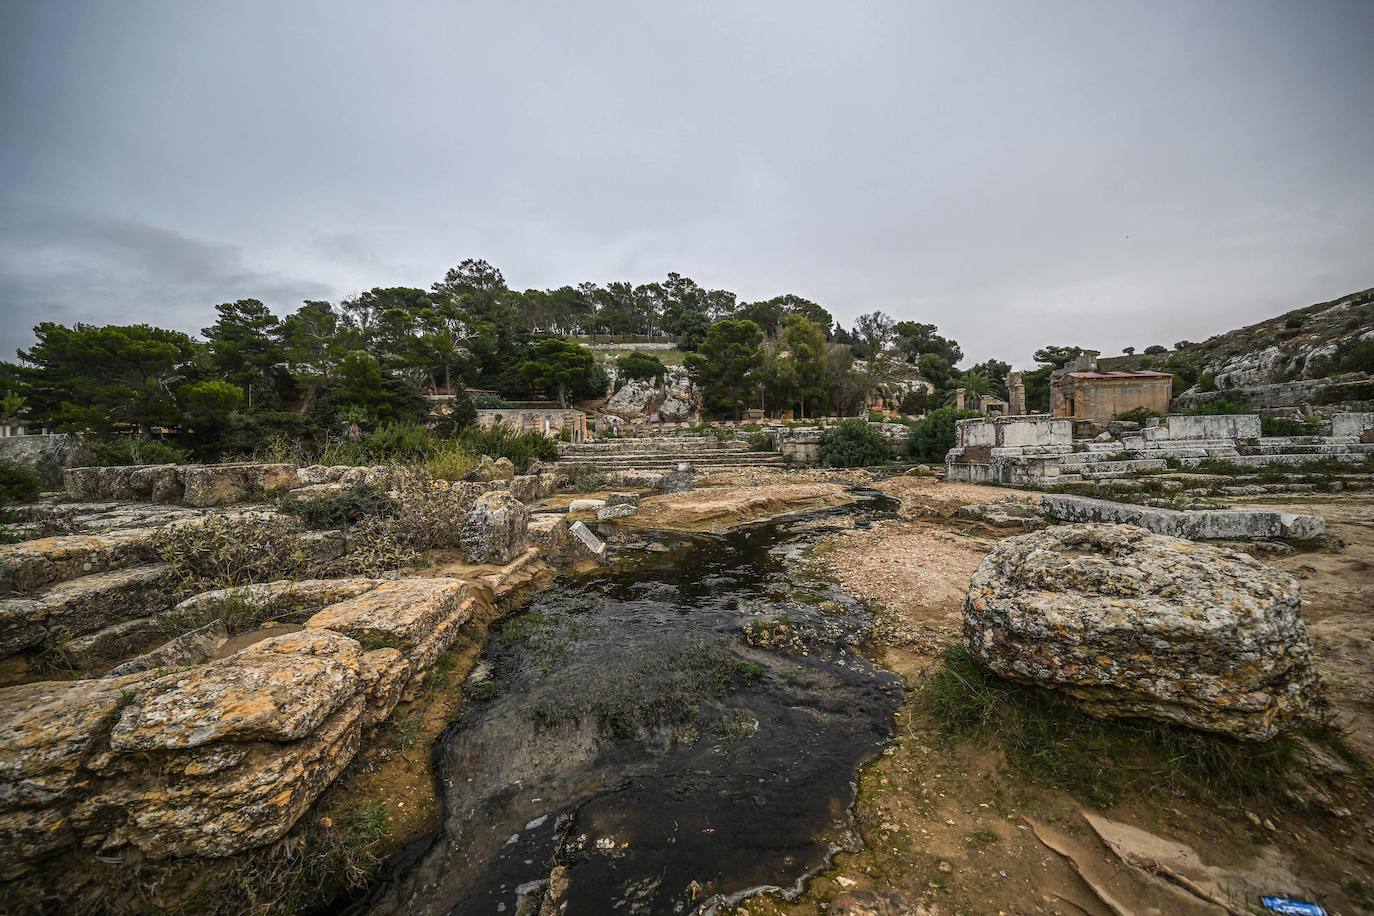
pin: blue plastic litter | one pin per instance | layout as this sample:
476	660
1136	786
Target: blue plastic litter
1291	905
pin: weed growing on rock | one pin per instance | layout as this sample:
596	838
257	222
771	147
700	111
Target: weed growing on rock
239	616
226	550
342	509
586	478
1101	761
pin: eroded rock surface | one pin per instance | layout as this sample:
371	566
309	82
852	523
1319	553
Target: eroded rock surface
494	531
1136	624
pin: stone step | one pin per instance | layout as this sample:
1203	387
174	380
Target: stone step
1258	461
1293	448
91	615
29	566
671	464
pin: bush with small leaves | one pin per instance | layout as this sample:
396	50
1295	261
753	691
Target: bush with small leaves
853	443
220	551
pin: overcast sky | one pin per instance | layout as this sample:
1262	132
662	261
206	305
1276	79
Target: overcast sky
1095	173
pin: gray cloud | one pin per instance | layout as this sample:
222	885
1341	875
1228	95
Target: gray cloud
70	267
1019	174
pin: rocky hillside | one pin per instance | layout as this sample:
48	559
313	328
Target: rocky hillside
1320	354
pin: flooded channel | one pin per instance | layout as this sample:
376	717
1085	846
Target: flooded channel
682	729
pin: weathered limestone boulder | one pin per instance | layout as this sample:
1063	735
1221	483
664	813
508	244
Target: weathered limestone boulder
47	731
279	689
586	505
222	484
209	761
190	648
635	477
90	603
674	409
1136	624
405	614
97	483
30	565
111	643
622	499
92	615
1194	524
634	399
530	488
286	597
158	483
221	799
500	469
494	530
609	513
548	532
1004	513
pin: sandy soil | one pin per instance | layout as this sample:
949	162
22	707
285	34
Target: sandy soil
947	827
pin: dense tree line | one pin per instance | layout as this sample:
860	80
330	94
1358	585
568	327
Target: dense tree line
369	360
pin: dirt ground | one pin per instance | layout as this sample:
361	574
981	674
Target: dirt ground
948	827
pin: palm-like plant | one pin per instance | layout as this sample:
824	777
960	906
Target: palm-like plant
975	384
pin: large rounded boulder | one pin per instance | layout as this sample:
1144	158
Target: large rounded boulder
1137	624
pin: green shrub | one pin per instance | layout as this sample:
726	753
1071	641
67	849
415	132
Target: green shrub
18	484
224	550
502	441
452	460
853	443
935	435
1284	426
1220	408
1137	415
339	510
128	450
399	442
642	366
762	442
1294	321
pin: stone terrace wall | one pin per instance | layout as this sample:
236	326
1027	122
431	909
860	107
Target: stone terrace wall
193	484
1185	426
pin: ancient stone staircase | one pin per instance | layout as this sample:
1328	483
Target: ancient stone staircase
665	453
92	598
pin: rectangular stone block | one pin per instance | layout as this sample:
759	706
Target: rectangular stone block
1207	524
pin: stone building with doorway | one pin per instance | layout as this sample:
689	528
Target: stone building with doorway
1080	391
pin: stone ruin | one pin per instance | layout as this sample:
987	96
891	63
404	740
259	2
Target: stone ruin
1042	451
172	745
1134	624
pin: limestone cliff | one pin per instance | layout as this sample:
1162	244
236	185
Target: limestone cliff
1320	354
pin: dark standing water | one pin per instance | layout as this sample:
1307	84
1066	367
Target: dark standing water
629	751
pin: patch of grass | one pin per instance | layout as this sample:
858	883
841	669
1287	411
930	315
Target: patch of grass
402	732
981	839
1051	740
55	658
485	691
239	615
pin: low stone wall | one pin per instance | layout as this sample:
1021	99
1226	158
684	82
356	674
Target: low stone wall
1207	524
1005	432
199	485
1186	426
55	450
